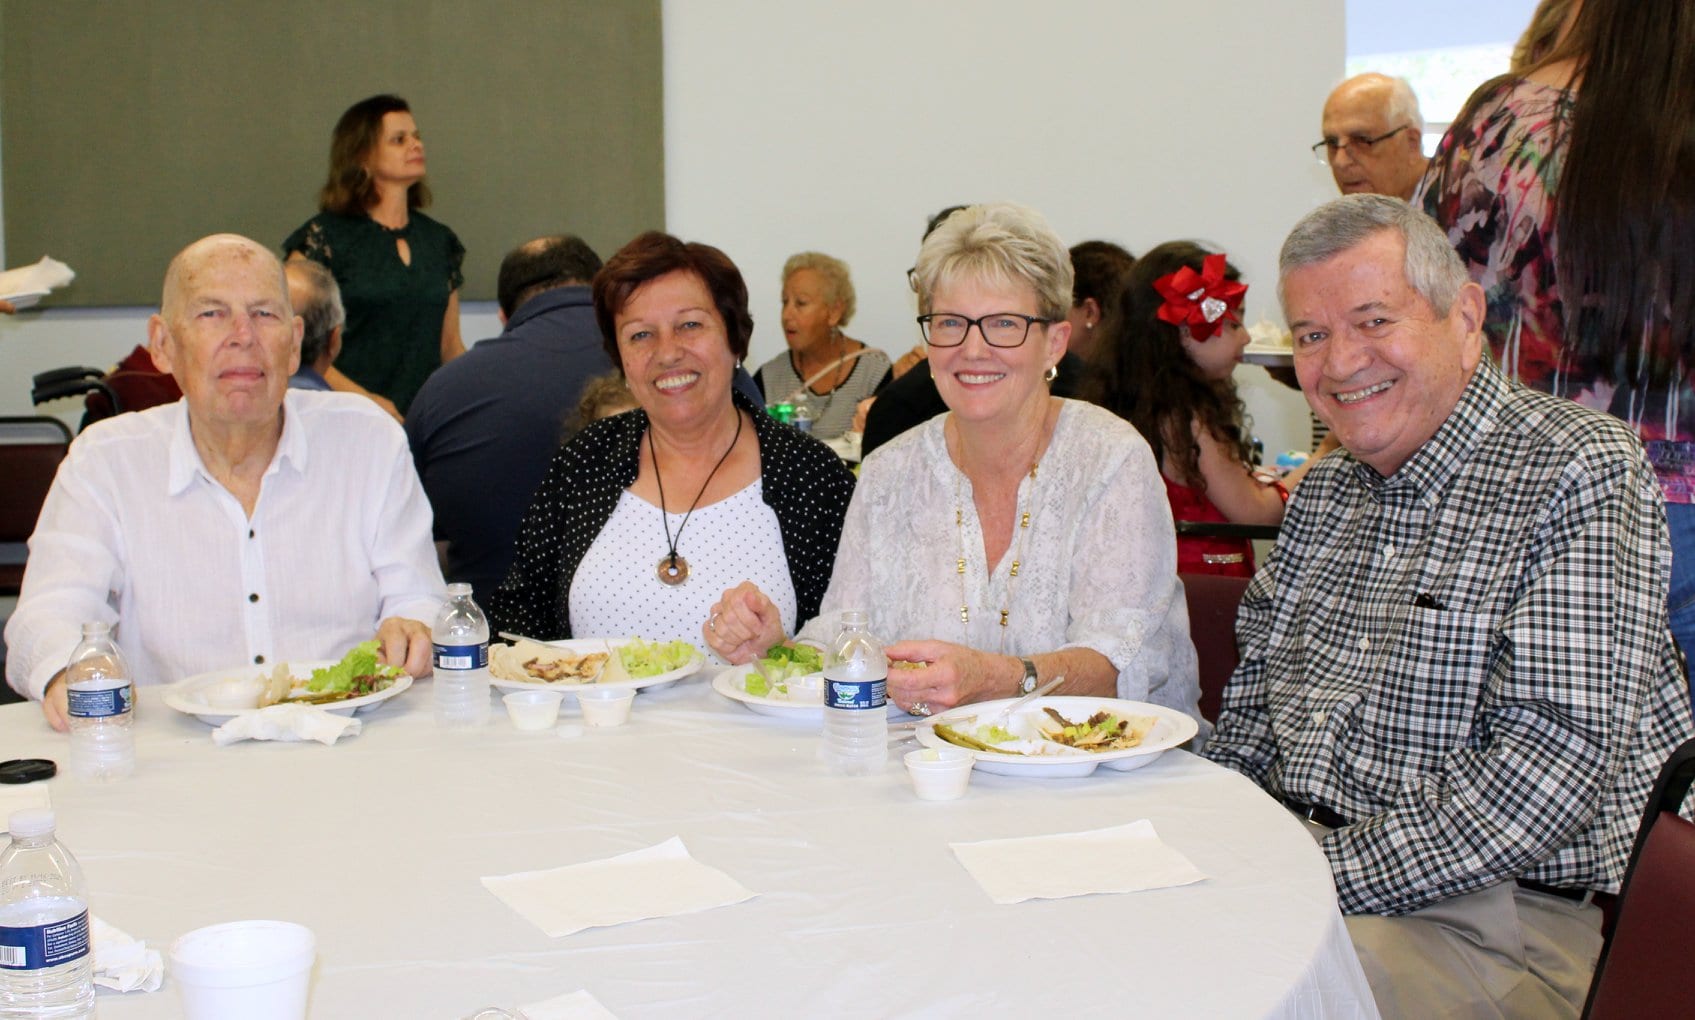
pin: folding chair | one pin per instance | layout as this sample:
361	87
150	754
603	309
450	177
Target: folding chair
1213	600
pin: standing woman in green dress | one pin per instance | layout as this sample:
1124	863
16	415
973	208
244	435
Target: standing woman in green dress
399	270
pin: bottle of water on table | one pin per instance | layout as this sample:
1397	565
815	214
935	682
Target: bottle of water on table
46	961
856	677
100	700
460	636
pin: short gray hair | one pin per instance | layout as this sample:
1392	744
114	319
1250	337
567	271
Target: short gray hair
1403	104
838	283
1430	266
317	300
1000	244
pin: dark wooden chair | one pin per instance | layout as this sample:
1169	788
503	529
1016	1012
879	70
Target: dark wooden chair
1212	626
30	451
1644	965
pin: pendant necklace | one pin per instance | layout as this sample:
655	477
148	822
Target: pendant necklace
673	569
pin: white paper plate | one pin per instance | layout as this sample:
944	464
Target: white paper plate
221	694
25	299
732	684
1172	729
612	676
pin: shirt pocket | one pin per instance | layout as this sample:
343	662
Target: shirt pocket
1431	678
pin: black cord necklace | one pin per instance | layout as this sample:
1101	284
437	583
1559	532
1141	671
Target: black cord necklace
673	569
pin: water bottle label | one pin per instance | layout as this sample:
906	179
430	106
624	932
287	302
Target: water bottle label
461	656
98	704
40	946
856	694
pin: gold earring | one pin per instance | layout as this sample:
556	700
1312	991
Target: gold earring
1051	374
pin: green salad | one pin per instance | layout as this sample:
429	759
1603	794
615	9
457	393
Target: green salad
781	664
356	674
651	658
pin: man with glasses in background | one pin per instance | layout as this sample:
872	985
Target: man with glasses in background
1373	136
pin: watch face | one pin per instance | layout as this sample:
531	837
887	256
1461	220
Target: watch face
1028	684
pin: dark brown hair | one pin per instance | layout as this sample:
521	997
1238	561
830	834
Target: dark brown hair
1098	269
1143	375
349	189
655	254
1624	205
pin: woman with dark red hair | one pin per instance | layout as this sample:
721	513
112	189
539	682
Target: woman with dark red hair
646	517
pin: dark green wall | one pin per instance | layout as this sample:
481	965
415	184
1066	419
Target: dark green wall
132	127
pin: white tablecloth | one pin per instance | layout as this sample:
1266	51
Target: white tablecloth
378	843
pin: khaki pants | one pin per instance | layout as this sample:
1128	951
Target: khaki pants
1499	952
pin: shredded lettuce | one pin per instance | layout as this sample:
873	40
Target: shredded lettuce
785	662
361	661
651	658
994	734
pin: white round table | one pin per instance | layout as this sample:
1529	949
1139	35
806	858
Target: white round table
378	843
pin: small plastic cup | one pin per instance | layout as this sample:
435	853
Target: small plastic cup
533	710
940	773
257	970
606	706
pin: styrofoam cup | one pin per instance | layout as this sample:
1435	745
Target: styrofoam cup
533	710
940	773
257	970
606	706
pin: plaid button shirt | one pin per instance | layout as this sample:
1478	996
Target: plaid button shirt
1468	658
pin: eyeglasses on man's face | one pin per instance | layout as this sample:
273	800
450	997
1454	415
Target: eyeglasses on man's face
999	329
1325	150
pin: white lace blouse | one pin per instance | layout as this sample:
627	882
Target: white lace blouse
1099	565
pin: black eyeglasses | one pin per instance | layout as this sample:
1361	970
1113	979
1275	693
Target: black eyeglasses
999	329
1324	150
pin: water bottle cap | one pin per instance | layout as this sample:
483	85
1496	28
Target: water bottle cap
30	822
458	589
95	628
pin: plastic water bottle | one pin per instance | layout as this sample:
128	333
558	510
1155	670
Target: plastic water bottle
856	684
460	636
100	700
46	959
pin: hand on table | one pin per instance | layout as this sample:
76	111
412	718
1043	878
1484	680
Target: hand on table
951	675
405	643
54	705
742	624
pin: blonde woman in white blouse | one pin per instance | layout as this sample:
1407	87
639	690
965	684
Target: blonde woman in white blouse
1019	536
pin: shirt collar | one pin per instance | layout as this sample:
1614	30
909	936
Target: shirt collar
547	301
185	462
1428	471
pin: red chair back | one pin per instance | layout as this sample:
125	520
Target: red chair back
1213	600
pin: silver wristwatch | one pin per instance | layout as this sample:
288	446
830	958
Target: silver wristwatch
1028	684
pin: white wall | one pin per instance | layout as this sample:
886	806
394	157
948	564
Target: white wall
841	126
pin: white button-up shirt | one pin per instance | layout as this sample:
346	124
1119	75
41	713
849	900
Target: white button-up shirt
136	532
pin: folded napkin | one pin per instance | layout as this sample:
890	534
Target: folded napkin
570	1006
1125	858
660	881
22	797
44	276
123	963
287	722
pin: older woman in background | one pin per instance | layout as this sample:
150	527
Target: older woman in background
824	369
1017	537
399	270
645	517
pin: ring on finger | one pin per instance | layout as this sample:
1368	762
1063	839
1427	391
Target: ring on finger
920	708
712	623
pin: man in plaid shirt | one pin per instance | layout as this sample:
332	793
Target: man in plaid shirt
1455	662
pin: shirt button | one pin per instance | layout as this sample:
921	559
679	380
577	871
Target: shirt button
1365	644
1388	552
1319	717
249	532
258	660
254	597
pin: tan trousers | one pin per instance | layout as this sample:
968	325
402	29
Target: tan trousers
1499	952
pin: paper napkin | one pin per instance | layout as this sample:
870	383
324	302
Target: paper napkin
21	797
1125	858
570	1006
660	881
48	274
287	722
123	963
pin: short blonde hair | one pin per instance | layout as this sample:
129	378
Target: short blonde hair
1000	244
838	285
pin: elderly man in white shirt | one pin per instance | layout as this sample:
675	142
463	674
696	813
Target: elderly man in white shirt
246	523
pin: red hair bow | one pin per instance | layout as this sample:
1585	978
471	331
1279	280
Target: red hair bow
1200	301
